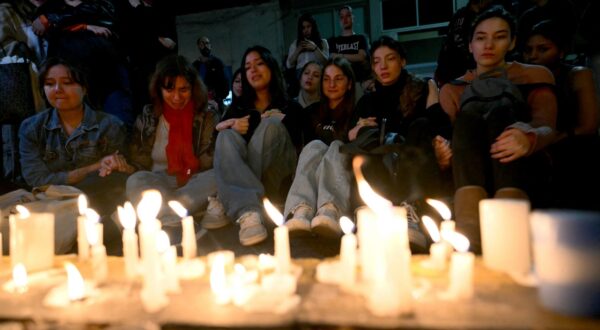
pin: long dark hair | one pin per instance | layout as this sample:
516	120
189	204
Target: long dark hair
167	71
495	11
347	104
76	72
315	35
276	85
391	43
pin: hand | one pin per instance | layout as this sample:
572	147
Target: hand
362	122
38	27
308	45
512	144
443	152
213	105
275	113
241	125
167	42
114	162
433	96
99	30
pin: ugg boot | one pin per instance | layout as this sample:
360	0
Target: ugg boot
511	192
466	212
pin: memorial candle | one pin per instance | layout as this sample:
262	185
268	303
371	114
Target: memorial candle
437	250
282	241
347	253
461	268
168	255
20	281
130	239
447	225
75	283
83	247
31	239
98	252
188	238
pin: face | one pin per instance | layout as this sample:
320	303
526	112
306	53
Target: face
387	65
257	71
62	91
542	51
311	78
179	95
335	84
491	41
306	29
237	85
204	46
346	19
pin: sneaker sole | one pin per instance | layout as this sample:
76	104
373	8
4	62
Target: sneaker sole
210	221
254	240
322	227
298	227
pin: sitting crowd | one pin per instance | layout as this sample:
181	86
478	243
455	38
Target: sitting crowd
503	129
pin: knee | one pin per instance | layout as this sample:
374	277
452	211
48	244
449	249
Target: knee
227	137
317	145
272	129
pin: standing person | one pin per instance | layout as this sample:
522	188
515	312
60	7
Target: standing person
212	72
172	143
72	144
352	46
308	46
494	149
255	153
323	179
575	155
310	84
454	57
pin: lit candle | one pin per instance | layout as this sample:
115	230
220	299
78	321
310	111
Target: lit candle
188	238
461	268
447	226
83	248
437	250
218	280
347	253
130	239
20	278
282	241
99	261
169	262
75	283
26	228
1	249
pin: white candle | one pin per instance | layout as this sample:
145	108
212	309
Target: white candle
83	248
188	238
282	240
26	228
130	240
99	260
461	269
437	250
75	283
218	280
347	253
20	278
447	227
169	262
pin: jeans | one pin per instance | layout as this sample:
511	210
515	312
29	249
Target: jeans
322	176
193	195
246	172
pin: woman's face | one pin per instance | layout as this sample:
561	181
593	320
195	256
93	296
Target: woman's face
306	29
178	96
62	92
237	85
310	80
335	84
257	71
387	65
491	41
541	50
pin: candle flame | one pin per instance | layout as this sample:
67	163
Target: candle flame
75	283
127	216
150	205
82	204
91	232
273	213
347	225
20	277
432	228
162	242
23	212
373	200
92	215
218	281
440	207
178	208
239	269
458	241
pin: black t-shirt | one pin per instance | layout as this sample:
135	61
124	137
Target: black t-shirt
351	45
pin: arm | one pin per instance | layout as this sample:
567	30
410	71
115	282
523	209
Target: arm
293	54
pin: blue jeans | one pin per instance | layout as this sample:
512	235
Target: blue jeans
246	172
322	176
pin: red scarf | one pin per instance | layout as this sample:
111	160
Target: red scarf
180	153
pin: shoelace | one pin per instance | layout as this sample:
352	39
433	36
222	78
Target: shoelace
411	212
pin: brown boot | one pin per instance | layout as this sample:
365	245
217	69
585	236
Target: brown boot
511	192
466	212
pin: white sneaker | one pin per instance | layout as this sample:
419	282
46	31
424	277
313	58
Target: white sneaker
252	231
214	217
326	222
299	224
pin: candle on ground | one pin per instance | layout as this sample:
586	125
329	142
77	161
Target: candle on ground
447	226
188	238
83	247
130	240
169	262
347	253
282	240
25	228
461	268
437	250
98	252
75	283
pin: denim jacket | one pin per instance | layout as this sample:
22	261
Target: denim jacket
48	154
144	134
